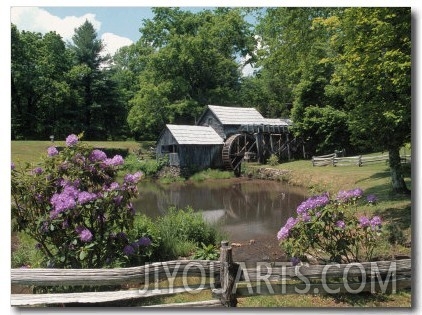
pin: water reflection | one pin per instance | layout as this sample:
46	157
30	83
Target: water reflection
244	209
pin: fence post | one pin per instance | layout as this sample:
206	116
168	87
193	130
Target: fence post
360	161
227	276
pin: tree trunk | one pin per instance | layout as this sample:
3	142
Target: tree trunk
397	180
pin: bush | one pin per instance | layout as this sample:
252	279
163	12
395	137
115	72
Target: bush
182	230
148	167
329	230
71	205
273	160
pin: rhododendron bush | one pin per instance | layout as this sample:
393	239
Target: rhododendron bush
330	230
72	205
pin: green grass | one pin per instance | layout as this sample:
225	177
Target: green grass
211	174
32	151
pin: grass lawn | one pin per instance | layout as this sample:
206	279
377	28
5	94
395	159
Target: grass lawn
32	151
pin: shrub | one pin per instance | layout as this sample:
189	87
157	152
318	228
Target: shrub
71	205
329	230
181	231
148	167
273	160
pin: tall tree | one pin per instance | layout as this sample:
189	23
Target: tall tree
38	80
194	63
289	57
373	70
102	109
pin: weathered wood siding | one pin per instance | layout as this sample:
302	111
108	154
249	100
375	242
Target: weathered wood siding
193	156
200	157
209	119
166	139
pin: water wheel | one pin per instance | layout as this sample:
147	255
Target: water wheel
234	150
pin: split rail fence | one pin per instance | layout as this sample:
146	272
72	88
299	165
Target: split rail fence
231	280
358	160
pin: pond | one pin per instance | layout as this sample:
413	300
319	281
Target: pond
244	209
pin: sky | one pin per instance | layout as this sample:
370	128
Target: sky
115	26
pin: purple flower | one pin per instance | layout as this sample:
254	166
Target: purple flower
97	155
37	171
118	200
130	208
38	246
128	250
115	161
364	221
306	217
371	198
65	224
84	234
144	241
12	166
133	178
340	224
295	261
52	151
375	222
85	196
347	195
312	203
283	233
71	140
121	235
63	201
114	186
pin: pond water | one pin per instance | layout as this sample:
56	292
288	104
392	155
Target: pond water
244	209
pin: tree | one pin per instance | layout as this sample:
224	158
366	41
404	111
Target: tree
102	109
38	81
373	70
194	63
289	58
324	129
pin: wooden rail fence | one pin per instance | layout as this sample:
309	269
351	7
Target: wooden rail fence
232	280
358	160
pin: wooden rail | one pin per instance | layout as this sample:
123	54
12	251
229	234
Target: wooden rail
358	160
228	280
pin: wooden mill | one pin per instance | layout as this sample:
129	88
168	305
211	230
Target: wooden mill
224	137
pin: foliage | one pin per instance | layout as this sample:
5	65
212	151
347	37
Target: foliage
59	88
273	160
181	231
71	205
325	129
194	63
24	252
148	167
330	231
372	58
210	174
207	252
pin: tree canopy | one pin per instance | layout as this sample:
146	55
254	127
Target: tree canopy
343	75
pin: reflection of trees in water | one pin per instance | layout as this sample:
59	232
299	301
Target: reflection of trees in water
251	201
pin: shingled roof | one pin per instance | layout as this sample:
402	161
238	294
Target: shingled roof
195	135
237	115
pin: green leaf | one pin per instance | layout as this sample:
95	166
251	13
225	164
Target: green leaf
83	255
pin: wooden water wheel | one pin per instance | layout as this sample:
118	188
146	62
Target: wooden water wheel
234	150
